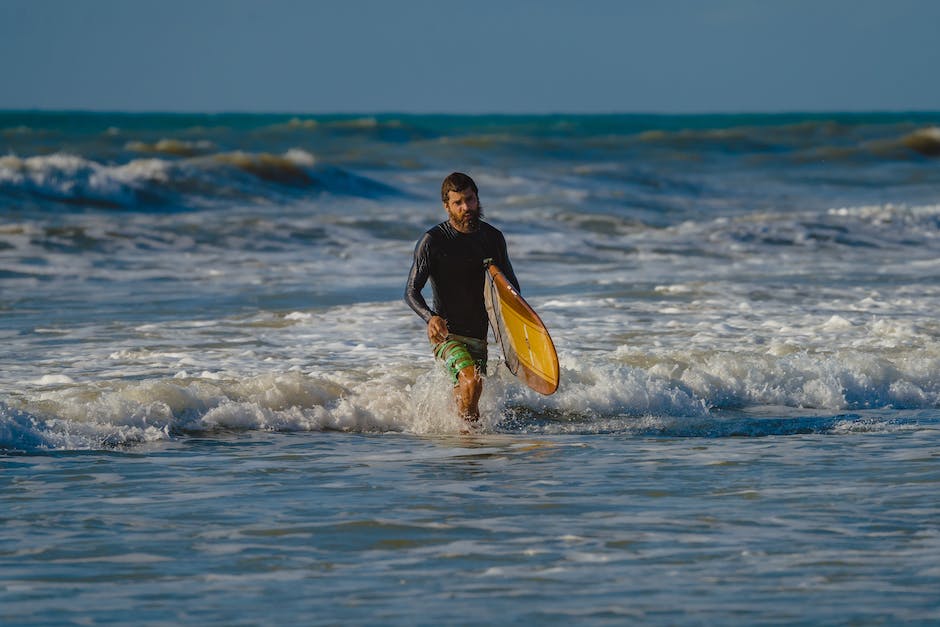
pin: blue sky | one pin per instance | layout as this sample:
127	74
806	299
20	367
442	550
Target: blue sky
473	56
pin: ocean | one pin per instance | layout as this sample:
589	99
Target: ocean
216	409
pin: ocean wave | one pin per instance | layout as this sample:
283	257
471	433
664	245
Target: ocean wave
72	179
671	394
122	413
925	141
848	232
803	142
847	228
381	128
800	140
175	147
736	139
291	168
75	180
19	431
845	380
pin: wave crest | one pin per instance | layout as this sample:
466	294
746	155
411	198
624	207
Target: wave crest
674	396
287	169
175	147
195	180
926	141
73	179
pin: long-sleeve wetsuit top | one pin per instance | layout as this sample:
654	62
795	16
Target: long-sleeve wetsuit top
453	261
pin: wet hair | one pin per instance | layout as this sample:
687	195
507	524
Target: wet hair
457	182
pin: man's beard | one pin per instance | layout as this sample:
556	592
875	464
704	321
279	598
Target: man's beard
469	221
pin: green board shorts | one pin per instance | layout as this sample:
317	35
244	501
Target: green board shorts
458	351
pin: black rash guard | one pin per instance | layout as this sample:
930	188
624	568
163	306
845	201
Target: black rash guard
454	263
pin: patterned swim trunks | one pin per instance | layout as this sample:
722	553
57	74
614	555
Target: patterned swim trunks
458	351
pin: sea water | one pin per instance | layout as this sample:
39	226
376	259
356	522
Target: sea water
216	409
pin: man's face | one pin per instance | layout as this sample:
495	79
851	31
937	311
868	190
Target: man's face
463	208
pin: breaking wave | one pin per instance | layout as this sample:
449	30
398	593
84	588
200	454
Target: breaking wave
198	179
670	398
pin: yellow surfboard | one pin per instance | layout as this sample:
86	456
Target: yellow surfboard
527	347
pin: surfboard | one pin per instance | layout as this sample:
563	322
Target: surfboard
527	347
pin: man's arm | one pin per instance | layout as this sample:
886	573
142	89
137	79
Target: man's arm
418	278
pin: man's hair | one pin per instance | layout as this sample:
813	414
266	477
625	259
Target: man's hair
457	182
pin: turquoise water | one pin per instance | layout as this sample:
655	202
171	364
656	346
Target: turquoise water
216	409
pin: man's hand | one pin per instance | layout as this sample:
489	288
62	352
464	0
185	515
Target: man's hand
437	330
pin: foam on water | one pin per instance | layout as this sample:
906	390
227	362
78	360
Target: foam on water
131	413
364	368
171	275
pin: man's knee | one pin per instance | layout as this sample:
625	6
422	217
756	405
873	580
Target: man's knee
469	378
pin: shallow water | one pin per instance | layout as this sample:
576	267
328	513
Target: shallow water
325	528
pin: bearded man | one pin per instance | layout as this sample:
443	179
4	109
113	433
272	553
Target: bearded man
452	256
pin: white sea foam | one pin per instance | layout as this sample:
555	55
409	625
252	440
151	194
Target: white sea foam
671	299
199	178
671	351
71	177
664	394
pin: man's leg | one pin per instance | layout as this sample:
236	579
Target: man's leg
465	359
467	393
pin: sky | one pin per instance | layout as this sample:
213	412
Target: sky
471	56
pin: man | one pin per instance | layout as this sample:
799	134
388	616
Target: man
451	255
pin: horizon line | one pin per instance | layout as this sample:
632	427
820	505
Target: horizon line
611	113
